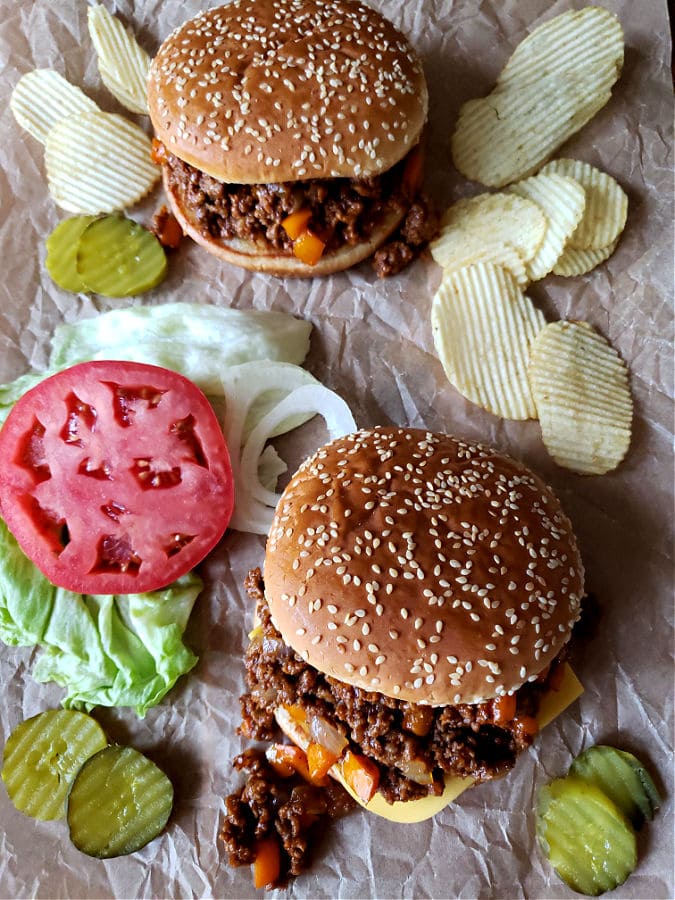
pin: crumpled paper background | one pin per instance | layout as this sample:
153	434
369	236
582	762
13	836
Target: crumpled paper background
372	343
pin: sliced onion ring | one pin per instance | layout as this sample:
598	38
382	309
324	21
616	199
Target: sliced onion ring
255	504
250	390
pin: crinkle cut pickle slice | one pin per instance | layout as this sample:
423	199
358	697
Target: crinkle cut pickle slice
118	803
43	755
584	836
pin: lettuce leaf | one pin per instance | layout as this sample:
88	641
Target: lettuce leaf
197	340
105	650
14	390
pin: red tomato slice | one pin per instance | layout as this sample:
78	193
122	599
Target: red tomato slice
115	477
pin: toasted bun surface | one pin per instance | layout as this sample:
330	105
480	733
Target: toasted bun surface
253	257
263	91
422	567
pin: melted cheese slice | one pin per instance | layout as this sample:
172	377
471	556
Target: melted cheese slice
410	811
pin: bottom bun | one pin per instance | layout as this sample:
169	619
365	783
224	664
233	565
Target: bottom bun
410	811
252	257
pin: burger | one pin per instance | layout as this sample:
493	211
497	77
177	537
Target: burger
418	597
289	135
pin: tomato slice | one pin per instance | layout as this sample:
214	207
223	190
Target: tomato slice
115	477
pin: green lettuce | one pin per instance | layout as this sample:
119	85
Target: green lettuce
198	340
105	650
14	390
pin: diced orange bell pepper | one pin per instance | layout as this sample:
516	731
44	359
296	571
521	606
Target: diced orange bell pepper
283	756
414	169
526	726
361	774
319	760
296	712
267	863
504	709
167	229
308	248
296	223
158	152
286	759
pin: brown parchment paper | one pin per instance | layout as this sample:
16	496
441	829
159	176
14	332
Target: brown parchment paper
372	343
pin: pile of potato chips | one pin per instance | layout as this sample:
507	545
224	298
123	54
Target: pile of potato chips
495	346
96	162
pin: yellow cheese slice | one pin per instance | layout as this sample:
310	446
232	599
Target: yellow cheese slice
411	811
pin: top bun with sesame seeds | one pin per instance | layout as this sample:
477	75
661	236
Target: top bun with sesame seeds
422	567
263	91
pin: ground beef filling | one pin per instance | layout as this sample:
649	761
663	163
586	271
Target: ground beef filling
345	211
400	736
287	808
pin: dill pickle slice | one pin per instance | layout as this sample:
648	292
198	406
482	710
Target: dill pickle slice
622	777
118	803
62	244
117	257
585	836
43	755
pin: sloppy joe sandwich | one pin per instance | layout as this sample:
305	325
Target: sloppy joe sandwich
418	597
288	132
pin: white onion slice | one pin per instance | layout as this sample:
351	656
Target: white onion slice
251	389
270	467
255	504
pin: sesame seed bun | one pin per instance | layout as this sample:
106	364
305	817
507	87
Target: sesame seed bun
251	256
263	91
422	567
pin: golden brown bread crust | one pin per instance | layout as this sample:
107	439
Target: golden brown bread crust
256	259
263	91
422	567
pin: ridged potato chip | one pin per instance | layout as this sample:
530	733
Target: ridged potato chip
606	204
42	98
557	79
123	64
510	133
578	262
483	326
591	37
580	387
562	200
498	218
98	162
456	249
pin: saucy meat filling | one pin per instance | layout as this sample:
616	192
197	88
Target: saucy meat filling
344	211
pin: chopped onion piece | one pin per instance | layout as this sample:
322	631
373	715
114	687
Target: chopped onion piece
255	503
322	732
416	770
